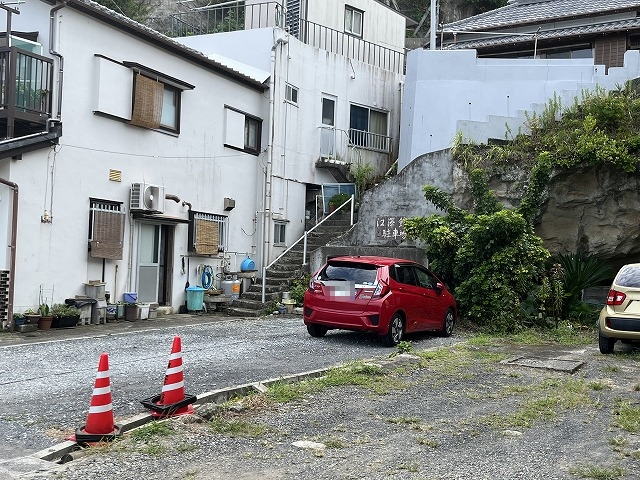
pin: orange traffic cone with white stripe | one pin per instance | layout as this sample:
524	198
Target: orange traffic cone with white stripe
172	401
99	426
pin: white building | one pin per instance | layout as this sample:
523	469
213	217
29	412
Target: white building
227	139
453	91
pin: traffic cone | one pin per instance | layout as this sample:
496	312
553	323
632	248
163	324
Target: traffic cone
99	426
172	401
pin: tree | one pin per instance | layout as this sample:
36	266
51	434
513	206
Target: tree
138	10
491	256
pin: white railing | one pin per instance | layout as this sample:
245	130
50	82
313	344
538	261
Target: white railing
304	238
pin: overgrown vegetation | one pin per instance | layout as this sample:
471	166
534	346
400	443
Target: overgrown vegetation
502	275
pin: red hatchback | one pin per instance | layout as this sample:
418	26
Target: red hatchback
388	296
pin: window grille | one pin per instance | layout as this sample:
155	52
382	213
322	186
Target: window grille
106	229
208	233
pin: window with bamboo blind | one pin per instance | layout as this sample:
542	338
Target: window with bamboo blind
106	229
207	233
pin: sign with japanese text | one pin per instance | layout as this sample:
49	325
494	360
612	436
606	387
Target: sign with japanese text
390	228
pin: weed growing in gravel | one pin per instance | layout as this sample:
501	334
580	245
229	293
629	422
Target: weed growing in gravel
543	401
611	369
366	375
333	442
598	386
410	467
565	334
150	430
403	420
236	428
636	387
618	443
455	360
429	442
597	473
626	416
405	347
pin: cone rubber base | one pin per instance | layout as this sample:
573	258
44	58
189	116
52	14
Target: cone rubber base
182	407
82	436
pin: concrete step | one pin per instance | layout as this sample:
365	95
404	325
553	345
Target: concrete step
244	312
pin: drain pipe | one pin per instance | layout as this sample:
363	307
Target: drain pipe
12	246
266	224
52	51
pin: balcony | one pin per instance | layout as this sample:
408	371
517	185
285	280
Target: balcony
25	92
241	15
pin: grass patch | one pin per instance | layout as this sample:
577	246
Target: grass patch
566	333
456	360
543	402
147	432
429	442
333	442
627	416
404	420
236	428
597	473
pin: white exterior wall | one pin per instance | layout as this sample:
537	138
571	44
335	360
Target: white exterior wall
297	134
381	24
450	91
194	165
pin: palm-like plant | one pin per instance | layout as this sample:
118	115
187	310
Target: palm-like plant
581	271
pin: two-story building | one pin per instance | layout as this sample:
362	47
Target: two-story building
138	160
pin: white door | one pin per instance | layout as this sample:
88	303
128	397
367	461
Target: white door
328	128
149	242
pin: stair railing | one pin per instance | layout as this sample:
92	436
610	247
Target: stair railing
351	200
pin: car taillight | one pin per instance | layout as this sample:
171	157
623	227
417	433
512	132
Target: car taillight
381	290
315	286
615	298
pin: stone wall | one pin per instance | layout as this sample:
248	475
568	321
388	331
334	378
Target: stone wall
590	209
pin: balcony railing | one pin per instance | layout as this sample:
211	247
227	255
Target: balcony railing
368	140
25	88
238	15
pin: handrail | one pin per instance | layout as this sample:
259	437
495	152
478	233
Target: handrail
304	237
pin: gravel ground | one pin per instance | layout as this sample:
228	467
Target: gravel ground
456	412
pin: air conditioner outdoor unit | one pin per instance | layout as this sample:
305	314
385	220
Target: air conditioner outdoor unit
146	198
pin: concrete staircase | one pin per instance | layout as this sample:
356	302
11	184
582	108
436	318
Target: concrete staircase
280	276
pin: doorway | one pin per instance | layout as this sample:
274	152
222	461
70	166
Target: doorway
155	260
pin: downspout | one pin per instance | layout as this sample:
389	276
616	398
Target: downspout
266	224
12	246
52	51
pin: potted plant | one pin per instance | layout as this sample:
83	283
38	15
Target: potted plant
18	319
45	317
337	200
64	315
32	316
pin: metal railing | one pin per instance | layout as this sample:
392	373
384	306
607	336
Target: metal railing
239	15
347	45
222	17
304	239
369	140
25	81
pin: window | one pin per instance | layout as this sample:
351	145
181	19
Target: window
368	128
242	131
279	233
156	99
106	229
207	233
291	94
353	21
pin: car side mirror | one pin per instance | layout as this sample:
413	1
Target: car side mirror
439	287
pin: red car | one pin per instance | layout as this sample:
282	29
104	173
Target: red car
388	296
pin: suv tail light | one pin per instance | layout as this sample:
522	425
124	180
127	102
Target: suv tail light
615	298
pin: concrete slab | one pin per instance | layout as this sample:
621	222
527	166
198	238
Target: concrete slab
557	364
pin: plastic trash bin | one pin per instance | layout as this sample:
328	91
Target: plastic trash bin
195	298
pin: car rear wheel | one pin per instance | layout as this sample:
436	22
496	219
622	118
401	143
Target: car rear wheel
447	324
606	344
316	330
396	330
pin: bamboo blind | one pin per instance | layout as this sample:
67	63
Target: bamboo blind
207	237
108	234
147	102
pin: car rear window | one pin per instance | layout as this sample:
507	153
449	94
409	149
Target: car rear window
360	273
628	276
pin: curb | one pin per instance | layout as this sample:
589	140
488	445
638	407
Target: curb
52	457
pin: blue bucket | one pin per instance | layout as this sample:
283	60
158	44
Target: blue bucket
195	298
247	265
